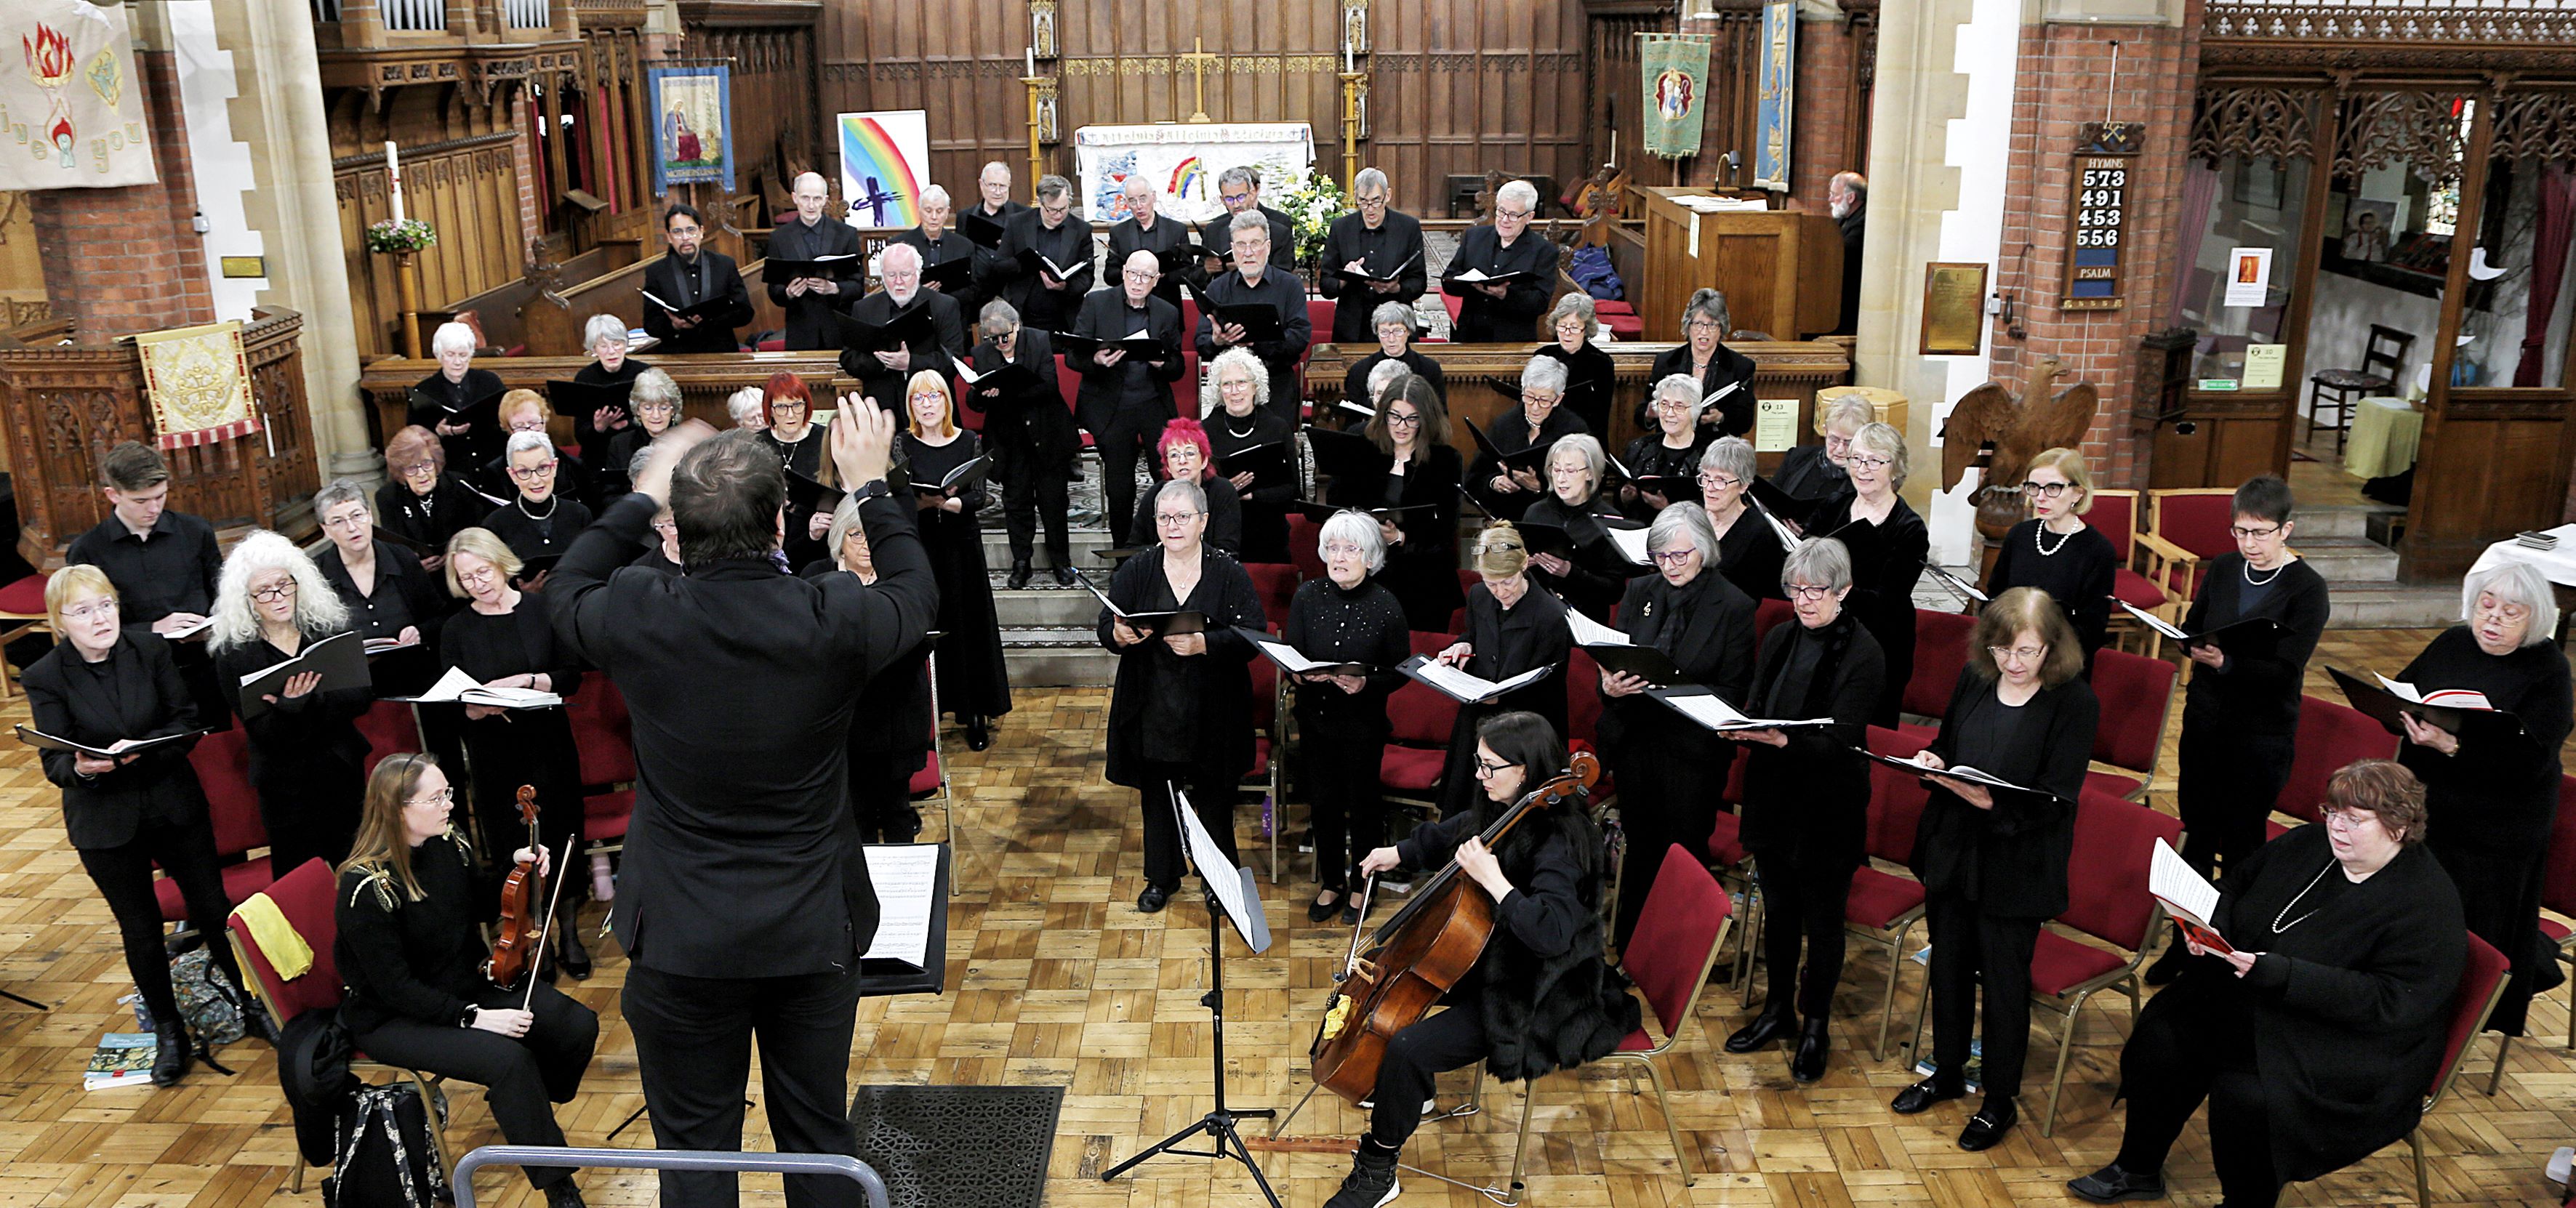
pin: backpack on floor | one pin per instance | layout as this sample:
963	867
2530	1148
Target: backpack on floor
385	1155
208	1000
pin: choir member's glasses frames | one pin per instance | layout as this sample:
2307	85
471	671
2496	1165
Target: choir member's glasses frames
2501	610
86	611
1808	592
1372	201
1837	442
2242	533
653	408
2349	820
441	797
1712	481
411	468
2045	490
1705	325
1403	419
1146	275
352	521
271	595
778	405
1874	463
1514	215
535	472
1485	767
1175	519
2027	654
1344	548
1673	557
1675	406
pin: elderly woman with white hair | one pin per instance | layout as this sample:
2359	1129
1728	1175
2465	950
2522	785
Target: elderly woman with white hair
1392	324
456	402
1590	375
1888	543
1749	552
1704	357
2491	790
1502	273
1576	505
1540	423
1234	405
539	522
655	403
307	759
605	337
1028	434
1381	248
1664	460
748	408
1671	769
1811	473
1345	617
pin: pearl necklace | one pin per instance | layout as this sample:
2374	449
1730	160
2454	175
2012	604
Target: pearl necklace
2277	925
2039	538
2250	580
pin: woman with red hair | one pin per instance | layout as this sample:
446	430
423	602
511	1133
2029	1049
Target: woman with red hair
1187	456
787	407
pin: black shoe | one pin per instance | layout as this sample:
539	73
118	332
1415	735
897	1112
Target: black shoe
1808	1064
2169	966
2110	1185
1765	1028
1351	911
564	1195
1320	910
1153	899
1986	1129
171	1053
1371	1182
572	957
1919	1098
1063	574
1020	573
901	824
979	735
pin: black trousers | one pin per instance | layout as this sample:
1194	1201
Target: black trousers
1134	427
1667	795
2189	1046
693	1038
314	816
520	1076
1031	490
123	875
1969	948
1803	902
1211	793
2225	788
1345	801
881	798
1452	1039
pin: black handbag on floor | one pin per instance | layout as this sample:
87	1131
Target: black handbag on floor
386	1157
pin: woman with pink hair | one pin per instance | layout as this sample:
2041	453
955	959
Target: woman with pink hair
1186	456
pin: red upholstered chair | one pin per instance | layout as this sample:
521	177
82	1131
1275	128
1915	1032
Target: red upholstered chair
305	897
1883	907
1068	383
1190	320
2185	528
969	417
2136	693
1940	651
22	612
2558	889
390	726
1305	534
1679	933
2481	984
2115	516
2108	902
222	762
1417	749
1185	389
1268	777
1276	582
2331	734
1454	303
1767	613
603	737
1583	715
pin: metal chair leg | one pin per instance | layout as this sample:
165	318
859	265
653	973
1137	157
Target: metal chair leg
1672	1127
2423	1185
1887	1009
1914	1044
1746	954
2065	1048
1520	1146
2504	1045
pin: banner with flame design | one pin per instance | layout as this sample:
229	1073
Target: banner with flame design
71	107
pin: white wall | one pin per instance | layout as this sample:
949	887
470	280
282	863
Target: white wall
220	163
1979	145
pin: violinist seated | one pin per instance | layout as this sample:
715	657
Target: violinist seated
1539	997
410	896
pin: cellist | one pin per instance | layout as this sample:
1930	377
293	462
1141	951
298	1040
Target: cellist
1539	998
410	896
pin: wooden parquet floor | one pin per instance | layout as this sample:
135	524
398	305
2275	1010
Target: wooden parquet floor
1055	979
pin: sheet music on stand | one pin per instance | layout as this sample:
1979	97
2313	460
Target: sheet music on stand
1233	886
909	954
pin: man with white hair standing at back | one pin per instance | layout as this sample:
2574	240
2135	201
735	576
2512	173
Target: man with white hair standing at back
1503	311
1375	240
940	243
881	372
1146	230
810	298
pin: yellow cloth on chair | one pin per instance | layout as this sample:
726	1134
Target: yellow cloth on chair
277	938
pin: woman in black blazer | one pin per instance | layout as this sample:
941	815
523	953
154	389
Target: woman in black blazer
1418	474
1888	543
2313	1053
1993	861
421	502
1393	322
101	686
895	739
1704	357
1236	415
1806	797
1576	504
1670	768
307	758
1512	628
1180	713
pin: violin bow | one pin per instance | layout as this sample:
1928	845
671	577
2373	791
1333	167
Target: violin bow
1351	962
554	894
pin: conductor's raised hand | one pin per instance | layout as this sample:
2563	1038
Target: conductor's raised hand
862	442
655	482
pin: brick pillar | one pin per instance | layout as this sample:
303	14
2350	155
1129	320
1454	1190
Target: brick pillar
1820	139
120	261
532	225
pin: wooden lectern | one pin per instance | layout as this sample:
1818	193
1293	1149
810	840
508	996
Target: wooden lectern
1782	270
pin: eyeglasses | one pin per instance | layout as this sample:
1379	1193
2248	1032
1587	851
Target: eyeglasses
1139	274
1837	442
1174	519
1514	215
443	796
653	408
1874	463
2045	490
1718	482
2501	610
1234	199
930	396
535	472
1341	547
1673	557
2242	533
352	521
86	611
1674	405
1541	397
1372	202
1704	325
409	469
1486	767
474	576
271	595
778	405
664	525
2021	653
1399	419
1808	591
2349	821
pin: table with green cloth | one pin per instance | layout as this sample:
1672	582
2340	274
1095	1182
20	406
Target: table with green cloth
2383	437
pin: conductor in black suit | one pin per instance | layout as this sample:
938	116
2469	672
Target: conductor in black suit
881	374
688	276
1124	402
745	900
810	301
1378	239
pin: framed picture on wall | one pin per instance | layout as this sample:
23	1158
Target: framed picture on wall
1954	309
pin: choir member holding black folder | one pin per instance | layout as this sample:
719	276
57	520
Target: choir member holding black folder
1260	306
1125	399
1670	768
1663	463
1043	266
1180	713
457	401
1254	450
1993	860
1810	474
1749	550
389	597
1028	435
693	298
422	503
539	522
1590	374
1186	456
1511	629
982	223
163	562
2240	713
1371	256
100	687
947	255
1502	274
528	411
900	330
1511	462
2491	783
1392	324
814	267
2056	552
612	373
1725	376
1570	550
945	467
1409	482
307	759
1174	243
898	737
1888	543
1347	616
655	402
788	430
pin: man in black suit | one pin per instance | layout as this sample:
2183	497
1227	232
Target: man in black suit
810	301
164	563
1258	281
1045	300
1378	239
687	277
1848	196
1145	229
746	901
939	244
881	375
993	204
1124	403
1240	189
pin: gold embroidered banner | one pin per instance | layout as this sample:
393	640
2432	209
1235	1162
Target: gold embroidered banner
199	383
71	109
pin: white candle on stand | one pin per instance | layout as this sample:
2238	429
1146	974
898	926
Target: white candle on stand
1032	60
1347	67
393	179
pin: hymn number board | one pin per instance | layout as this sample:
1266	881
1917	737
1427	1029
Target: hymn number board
2105	179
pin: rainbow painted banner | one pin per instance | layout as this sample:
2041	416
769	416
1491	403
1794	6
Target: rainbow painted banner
885	164
1184	161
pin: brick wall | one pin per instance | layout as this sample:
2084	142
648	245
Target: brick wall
532	223
2061	78
120	261
1820	143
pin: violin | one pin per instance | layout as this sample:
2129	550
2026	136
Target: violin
520	931
1421	952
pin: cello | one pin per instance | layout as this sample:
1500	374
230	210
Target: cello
1421	952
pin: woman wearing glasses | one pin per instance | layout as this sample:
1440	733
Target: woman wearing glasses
1815	473
1420	476
1589	372
538	523
1539	424
972	682
788	430
1749	552
1576	504
526	411
655	400
1512	629
1704	358
605	337
2240	713
2492	789
1502	312
896	738
1234	410
1180	713
1993	861
307	759
1393	322
1345	616
2056	552
1187	457
423	503
1670	768
502	638
1888	543
1670	450
389	597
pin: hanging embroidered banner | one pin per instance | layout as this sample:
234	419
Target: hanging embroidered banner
71	109
199	383
1675	86
693	109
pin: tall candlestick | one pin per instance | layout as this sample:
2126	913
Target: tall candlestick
1346	57
393	179
1032	61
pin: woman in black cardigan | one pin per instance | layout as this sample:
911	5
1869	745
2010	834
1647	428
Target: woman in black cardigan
1030	436
2314	1042
2056	552
1590	375
307	759
1419	475
1235	411
449	402
1704	358
1539	424
1180	713
2493	789
421	502
1888	543
1749	551
397	600
100	687
1668	450
1512	628
894	740
1347	616
1993	861
1576	504
1806	797
1393	322
1670	768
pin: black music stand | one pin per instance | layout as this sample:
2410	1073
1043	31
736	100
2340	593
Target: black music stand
1217	1125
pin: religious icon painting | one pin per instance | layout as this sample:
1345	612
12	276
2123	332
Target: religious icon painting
694	108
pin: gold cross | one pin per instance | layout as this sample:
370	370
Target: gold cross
1199	60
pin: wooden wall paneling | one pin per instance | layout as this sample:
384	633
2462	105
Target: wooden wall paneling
2495	465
